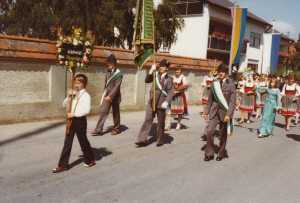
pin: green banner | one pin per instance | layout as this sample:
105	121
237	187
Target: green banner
143	33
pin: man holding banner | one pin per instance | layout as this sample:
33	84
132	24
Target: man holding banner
220	108
164	91
111	97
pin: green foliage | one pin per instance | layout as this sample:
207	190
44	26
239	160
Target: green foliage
167	21
296	57
44	19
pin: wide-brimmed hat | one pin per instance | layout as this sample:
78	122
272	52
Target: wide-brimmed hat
222	67
111	58
165	63
248	72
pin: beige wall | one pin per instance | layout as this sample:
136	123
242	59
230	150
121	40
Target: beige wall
33	91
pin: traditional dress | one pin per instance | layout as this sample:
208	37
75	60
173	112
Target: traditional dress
178	102
263	95
268	115
206	83
239	87
248	97
289	106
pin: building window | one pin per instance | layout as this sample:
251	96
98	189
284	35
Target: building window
189	7
254	39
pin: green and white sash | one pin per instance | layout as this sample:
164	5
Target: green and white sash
113	78
158	86
217	92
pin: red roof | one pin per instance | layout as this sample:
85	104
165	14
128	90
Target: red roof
38	49
225	4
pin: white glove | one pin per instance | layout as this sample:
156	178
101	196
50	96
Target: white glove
153	68
164	105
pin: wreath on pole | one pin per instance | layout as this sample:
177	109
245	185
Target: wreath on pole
74	51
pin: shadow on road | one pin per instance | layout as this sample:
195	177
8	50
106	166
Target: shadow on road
294	137
216	149
122	128
182	127
250	129
98	153
280	125
33	133
153	133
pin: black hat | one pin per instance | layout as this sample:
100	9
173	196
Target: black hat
223	67
165	63
112	58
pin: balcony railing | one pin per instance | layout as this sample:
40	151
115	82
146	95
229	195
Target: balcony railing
222	44
218	43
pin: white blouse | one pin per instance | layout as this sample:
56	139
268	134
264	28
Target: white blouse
290	87
83	106
207	78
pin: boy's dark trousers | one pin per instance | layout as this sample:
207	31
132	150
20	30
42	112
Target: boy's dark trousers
78	126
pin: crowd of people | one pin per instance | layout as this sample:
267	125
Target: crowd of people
221	97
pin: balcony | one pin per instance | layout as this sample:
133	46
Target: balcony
244	48
219	43
222	44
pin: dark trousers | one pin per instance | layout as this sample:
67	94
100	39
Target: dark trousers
78	126
146	127
210	138
104	113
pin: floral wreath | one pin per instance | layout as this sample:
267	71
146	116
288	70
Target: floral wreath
84	45
214	73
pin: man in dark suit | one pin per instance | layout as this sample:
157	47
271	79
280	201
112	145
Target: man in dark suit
220	107
111	97
163	94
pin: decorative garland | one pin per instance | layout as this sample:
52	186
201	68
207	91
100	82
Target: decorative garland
75	51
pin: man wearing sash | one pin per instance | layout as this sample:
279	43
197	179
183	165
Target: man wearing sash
111	97
163	94
220	107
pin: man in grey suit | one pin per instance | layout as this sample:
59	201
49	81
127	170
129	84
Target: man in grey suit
215	112
111	97
163	94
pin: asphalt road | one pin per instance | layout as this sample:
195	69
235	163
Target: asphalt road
256	170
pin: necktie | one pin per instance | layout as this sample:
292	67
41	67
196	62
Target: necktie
221	83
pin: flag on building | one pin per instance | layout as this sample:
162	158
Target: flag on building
238	30
143	37
271	42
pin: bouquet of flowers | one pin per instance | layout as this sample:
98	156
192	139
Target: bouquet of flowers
183	87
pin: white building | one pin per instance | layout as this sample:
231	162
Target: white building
203	17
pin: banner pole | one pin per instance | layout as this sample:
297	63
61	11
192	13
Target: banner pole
69	120
154	72
232	37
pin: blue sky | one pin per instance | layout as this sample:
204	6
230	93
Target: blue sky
286	14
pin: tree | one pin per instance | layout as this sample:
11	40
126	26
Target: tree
296	55
167	21
109	23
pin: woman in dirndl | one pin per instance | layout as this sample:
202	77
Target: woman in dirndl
263	97
208	80
247	94
240	84
289	92
178	105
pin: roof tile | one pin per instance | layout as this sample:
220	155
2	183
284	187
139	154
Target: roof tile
28	48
